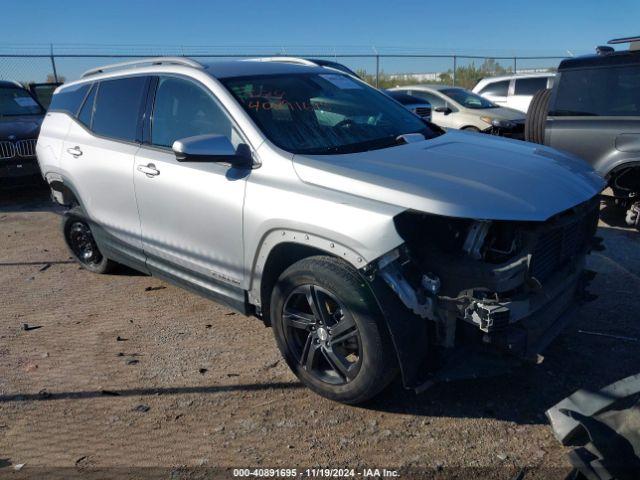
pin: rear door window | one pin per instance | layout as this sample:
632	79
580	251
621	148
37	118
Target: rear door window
613	91
530	86
496	89
118	108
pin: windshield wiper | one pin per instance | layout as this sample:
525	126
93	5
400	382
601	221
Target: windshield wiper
368	145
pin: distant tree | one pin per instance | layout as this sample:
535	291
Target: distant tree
468	75
51	78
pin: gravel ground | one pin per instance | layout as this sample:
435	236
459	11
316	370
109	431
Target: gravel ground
127	371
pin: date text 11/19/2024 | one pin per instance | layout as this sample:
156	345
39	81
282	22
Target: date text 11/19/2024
315	472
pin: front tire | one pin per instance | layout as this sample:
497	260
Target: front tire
330	330
81	244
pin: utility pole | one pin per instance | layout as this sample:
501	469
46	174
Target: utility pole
455	67
53	63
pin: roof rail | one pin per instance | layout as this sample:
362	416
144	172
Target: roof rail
283	59
144	61
617	41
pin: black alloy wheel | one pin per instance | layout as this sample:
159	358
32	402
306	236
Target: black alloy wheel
322	334
330	330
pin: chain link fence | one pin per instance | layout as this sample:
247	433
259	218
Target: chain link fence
380	69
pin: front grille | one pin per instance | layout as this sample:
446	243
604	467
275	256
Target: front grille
26	148
422	111
7	150
559	244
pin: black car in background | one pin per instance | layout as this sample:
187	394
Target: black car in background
20	118
419	106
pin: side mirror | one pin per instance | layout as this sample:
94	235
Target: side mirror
212	148
445	110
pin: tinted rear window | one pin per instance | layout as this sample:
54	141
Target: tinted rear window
69	99
530	86
497	89
118	108
599	92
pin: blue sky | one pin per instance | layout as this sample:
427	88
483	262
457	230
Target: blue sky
511	26
514	27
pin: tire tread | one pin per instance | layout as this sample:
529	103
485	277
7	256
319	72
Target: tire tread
535	123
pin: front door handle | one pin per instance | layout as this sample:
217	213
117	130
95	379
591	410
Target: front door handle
75	151
149	170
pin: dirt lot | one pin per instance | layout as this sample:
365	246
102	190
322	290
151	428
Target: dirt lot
127	371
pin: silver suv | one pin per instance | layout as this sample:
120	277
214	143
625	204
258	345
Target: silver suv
372	242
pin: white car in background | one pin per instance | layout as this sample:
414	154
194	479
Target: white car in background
514	91
461	109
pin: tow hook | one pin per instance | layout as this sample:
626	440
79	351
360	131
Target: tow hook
489	316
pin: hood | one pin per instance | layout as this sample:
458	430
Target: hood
22	127
503	113
460	174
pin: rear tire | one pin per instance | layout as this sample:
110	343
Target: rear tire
330	330
536	120
81	244
471	129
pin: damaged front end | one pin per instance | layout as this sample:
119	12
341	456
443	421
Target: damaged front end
488	286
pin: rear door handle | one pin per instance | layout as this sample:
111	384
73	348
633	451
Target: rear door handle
149	170
74	152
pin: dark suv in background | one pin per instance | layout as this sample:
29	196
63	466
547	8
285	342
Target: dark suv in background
20	118
593	111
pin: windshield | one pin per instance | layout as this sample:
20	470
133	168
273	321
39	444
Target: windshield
328	113
16	101
468	99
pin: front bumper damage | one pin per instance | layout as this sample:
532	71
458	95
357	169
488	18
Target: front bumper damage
485	317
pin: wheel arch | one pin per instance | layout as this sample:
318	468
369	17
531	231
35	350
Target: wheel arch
63	191
283	247
617	167
624	179
409	336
